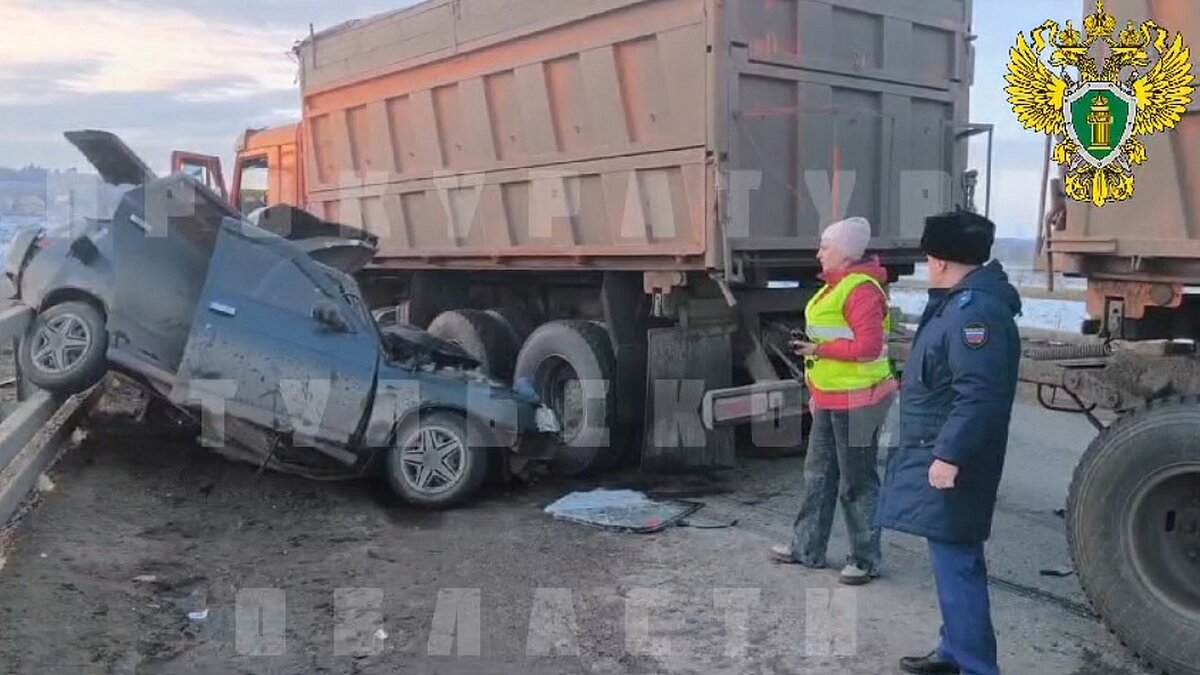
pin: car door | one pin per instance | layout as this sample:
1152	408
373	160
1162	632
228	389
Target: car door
280	339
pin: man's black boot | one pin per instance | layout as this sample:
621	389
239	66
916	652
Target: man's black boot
930	664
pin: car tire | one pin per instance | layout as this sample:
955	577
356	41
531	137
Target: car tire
480	335
52	363
1132	530
556	355
428	482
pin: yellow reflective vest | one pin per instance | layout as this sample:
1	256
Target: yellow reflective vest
826	321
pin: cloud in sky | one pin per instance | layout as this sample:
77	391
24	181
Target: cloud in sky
127	47
165	74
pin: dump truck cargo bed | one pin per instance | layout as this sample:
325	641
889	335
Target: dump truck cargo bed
636	134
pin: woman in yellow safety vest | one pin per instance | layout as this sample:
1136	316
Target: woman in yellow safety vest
851	388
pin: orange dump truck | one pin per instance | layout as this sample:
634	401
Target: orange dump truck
596	196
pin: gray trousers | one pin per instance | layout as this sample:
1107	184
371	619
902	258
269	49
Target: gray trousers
843	449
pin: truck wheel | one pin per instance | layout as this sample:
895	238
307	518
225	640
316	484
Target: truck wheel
482	336
515	322
432	464
570	365
64	350
1133	524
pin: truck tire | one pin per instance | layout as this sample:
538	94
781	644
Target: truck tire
432	463
482	336
571	367
515	322
65	348
1133	525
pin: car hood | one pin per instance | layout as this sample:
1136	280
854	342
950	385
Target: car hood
116	162
346	248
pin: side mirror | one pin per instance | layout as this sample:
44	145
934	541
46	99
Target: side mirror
327	314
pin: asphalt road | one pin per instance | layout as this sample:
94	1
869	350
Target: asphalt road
101	577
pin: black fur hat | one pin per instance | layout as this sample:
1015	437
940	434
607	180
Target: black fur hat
959	236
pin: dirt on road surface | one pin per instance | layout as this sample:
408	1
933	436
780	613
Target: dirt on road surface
340	578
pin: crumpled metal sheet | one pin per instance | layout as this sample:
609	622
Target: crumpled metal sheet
622	510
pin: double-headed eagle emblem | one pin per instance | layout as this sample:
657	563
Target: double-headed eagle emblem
1099	112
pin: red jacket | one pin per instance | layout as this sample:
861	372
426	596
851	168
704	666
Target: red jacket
865	311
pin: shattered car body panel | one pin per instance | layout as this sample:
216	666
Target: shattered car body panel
263	326
255	335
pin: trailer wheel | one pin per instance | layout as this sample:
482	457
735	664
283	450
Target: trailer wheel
1133	524
571	366
64	350
482	336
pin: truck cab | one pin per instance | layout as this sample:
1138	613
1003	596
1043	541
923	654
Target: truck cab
266	169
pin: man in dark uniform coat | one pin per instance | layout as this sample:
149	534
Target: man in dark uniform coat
955	404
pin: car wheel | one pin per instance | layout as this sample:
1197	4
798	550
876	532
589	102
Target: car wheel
433	463
480	335
571	367
64	350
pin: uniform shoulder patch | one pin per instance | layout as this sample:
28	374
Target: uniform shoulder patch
975	335
965	298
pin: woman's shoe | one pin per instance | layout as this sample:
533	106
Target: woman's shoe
782	554
853	575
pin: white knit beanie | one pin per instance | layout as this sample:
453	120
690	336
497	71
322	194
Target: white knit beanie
850	236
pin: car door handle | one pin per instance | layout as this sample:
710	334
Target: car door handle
222	308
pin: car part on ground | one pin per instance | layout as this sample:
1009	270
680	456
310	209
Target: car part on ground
481	335
621	510
571	367
64	348
1133	523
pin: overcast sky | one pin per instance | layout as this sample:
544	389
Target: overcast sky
192	74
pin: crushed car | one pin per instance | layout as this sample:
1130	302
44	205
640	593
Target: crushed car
258	332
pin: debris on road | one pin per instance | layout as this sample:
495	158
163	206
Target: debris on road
1063	571
145	578
622	510
708	523
44	484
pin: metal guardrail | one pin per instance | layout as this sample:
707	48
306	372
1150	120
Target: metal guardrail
33	434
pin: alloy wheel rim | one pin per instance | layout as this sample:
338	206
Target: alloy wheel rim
60	343
433	460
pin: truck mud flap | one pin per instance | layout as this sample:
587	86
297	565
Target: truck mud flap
683	364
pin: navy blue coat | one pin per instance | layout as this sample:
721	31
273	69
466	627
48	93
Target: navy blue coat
956	400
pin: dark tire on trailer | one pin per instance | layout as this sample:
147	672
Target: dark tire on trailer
1133	525
482	336
516	323
65	348
565	362
432	463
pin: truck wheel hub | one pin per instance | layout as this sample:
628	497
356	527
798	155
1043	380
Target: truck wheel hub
1163	535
